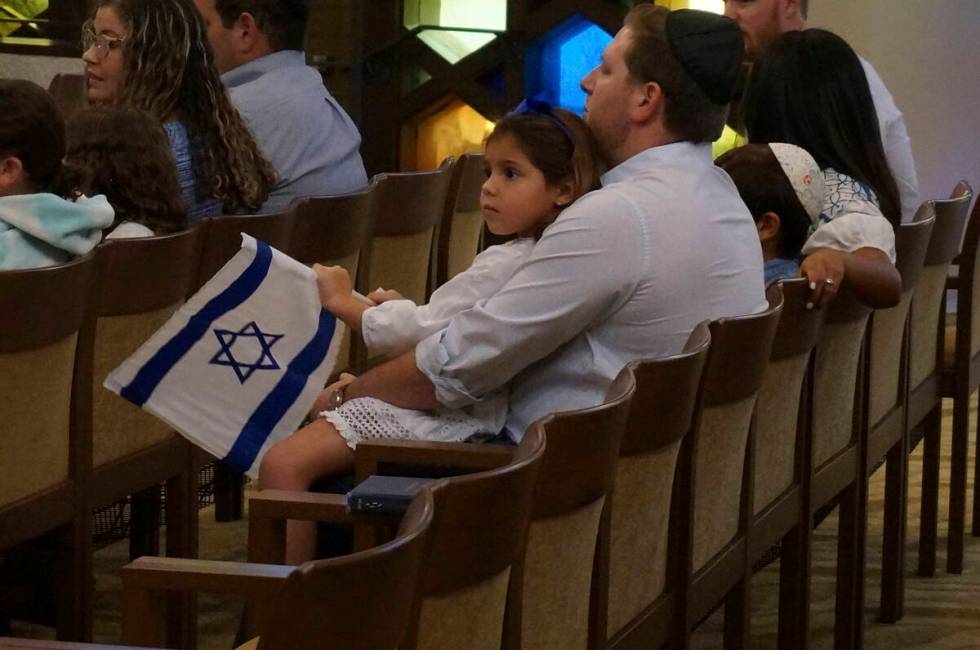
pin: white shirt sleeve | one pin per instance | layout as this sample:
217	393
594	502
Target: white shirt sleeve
129	229
895	141
397	326
584	268
852	231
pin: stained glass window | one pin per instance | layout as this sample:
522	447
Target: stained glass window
454	129
457	28
556	63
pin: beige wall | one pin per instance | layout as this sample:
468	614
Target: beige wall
928	54
39	69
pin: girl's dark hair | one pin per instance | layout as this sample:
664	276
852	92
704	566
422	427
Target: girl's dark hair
124	153
169	73
33	131
764	187
560	154
809	89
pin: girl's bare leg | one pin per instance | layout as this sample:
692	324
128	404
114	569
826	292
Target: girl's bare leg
315	451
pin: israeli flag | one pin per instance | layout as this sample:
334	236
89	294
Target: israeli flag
239	365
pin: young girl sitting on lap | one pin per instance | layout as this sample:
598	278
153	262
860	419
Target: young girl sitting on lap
538	160
783	187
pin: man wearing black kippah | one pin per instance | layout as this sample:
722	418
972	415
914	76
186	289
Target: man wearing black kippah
627	271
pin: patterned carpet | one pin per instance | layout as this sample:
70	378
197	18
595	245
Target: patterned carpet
941	612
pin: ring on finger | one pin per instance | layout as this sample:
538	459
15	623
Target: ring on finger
829	282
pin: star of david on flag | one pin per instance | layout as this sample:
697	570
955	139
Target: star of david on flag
226	357
239	365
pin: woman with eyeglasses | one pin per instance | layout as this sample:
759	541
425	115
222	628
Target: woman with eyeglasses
154	55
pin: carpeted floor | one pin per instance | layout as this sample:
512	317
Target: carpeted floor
941	612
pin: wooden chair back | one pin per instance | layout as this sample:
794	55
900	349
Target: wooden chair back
408	208
223	238
68	91
143	281
737	363
336	231
477	539
778	420
888	341
634	544
968	293
45	433
927	304
362	601
462	223
575	477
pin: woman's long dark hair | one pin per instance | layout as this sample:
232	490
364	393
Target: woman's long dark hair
809	89
170	73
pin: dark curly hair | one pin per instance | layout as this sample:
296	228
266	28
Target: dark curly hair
124	153
169	73
33	131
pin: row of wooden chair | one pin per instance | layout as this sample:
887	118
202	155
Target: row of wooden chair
821	423
95	448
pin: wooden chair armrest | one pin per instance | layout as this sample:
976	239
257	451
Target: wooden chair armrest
43	644
150	584
460	455
270	509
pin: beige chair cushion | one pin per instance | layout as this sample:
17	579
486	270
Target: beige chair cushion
886	357
925	322
470	618
249	645
35	400
719	462
118	427
402	263
638	533
775	429
464	240
838	354
558	579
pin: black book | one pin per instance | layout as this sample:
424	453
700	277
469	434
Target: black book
387	495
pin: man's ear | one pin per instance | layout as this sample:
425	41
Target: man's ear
648	101
768	226
11	173
252	39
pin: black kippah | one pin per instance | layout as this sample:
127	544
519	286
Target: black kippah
709	47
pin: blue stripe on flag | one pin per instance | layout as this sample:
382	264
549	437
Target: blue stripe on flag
169	354
265	417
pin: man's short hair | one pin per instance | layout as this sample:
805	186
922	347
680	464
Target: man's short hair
282	21
688	112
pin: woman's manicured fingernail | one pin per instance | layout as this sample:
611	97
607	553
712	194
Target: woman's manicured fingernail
813	287
809	305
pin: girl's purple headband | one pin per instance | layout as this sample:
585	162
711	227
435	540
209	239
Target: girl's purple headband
531	106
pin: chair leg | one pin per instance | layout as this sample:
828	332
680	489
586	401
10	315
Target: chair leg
846	608
893	542
181	534
228	493
737	611
929	513
957	484
75	583
794	590
144	523
975	528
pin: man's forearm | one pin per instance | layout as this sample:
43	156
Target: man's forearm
398	382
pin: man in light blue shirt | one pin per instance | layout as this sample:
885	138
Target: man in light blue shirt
298	125
628	270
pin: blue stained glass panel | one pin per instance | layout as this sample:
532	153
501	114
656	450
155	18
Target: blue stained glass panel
556	63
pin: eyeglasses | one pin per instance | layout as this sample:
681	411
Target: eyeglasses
100	42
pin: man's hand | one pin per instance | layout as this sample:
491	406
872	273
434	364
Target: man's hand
825	269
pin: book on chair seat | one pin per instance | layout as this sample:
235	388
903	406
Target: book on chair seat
387	495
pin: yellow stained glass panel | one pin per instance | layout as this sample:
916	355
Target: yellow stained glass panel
452	131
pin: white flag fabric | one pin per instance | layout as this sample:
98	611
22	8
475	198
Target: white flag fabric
240	364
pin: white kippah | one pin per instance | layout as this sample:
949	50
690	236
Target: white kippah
804	175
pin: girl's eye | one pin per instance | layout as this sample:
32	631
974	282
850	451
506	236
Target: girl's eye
486	172
510	172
